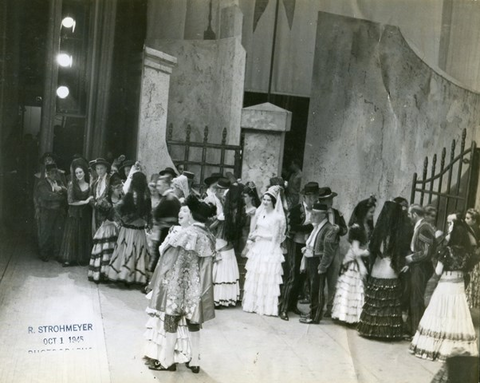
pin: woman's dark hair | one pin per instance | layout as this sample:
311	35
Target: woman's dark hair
252	193
391	231
459	236
143	207
358	217
274	200
85	171
201	211
474	214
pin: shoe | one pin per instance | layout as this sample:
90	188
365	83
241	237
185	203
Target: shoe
407	337
158	367
308	321
328	314
194	369
284	316
297	311
65	264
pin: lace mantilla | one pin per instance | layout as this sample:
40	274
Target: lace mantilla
192	238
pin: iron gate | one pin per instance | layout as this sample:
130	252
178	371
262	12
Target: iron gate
453	188
212	157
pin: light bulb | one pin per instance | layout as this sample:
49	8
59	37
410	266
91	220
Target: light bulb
68	22
64	60
63	92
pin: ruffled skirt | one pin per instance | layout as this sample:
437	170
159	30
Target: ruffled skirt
263	278
349	295
130	257
226	289
446	324
382	312
103	245
155	338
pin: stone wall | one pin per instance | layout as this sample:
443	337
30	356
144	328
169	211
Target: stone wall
376	111
206	87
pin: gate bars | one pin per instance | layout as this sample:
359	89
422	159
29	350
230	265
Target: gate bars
449	197
223	148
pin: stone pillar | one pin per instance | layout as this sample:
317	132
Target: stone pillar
151	146
264	127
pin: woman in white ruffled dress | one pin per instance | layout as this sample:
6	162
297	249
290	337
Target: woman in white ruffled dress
349	295
447	323
265	257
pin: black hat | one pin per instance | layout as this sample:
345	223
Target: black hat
223	183
49	167
115	179
320	207
200	210
168	171
214	177
126	163
311	188
326	193
188	174
101	161
47	154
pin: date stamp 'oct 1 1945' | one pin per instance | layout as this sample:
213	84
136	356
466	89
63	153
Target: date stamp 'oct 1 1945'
61	337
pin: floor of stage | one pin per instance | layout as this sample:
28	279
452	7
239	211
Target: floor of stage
102	337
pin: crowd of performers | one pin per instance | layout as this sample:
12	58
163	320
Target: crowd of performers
401	278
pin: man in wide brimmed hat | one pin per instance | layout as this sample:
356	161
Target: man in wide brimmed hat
300	226
168	172
99	191
49	158
214	177
326	196
319	251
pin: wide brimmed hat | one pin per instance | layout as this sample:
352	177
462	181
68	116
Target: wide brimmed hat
320	207
48	154
126	163
310	188
168	171
223	183
188	174
325	193
115	179
101	161
214	177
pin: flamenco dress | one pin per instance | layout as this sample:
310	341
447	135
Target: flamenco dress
349	294
446	325
264	265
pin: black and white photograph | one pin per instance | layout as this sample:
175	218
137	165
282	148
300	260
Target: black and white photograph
226	191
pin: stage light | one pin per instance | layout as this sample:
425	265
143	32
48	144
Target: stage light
68	22
63	92
64	60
